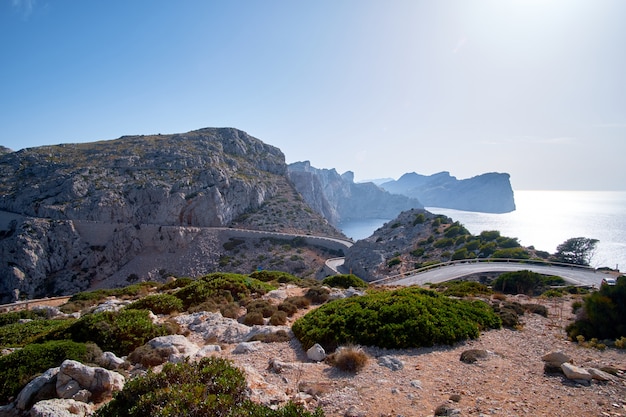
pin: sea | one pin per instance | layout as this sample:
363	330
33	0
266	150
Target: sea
543	219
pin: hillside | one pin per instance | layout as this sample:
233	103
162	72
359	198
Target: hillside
109	213
418	238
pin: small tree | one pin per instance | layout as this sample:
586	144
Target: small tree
576	250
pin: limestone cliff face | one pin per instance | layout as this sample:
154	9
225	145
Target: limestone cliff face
73	216
338	198
488	193
201	178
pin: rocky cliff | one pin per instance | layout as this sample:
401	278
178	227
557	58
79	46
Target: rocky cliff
488	193
76	216
338	198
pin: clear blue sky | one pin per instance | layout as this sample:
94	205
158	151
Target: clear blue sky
535	88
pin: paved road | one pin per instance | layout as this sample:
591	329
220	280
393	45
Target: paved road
574	275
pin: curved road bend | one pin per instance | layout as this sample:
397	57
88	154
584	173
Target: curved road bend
574	275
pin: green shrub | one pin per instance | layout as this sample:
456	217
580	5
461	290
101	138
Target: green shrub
210	387
344	281
19	367
462	288
524	282
119	332
253	318
288	307
221	287
176	283
317	295
262	306
158	304
511	253
409	317
275	337
276	276
394	262
21	334
278	318
15	316
299	302
605	314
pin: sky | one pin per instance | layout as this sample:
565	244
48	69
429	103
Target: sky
533	88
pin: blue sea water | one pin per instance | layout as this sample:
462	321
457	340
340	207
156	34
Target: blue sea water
544	219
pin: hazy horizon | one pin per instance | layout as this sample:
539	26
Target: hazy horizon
533	88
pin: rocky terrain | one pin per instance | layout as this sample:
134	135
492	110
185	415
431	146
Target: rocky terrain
81	215
508	372
417	238
338	198
487	193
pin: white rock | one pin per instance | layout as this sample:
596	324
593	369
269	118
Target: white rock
316	353
599	375
555	358
575	372
60	408
247	347
73	376
27	394
111	361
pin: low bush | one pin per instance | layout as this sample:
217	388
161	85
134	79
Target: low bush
253	318
537	309
279	318
524	282
276	276
317	295
158	304
19	367
275	337
604	314
299	302
210	387
288	307
15	316
404	318
220	287
348	359
344	281
21	334
462	288
262	306
119	332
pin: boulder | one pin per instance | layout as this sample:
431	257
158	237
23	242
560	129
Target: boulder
205	351
42	387
110	360
73	377
473	355
247	347
575	372
391	362
316	353
60	408
599	375
176	346
213	326
556	358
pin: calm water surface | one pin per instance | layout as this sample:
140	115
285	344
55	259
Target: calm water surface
544	219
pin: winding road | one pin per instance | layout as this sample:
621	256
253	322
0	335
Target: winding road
573	274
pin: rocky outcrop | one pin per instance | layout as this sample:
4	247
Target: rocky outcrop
369	258
488	193
338	198
201	178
